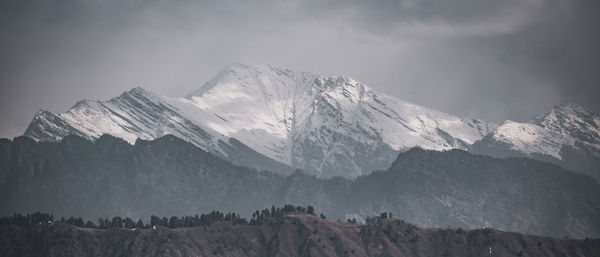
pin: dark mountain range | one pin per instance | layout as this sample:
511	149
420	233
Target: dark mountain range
168	176
293	235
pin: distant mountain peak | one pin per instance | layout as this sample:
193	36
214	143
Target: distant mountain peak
241	74
82	103
568	134
137	113
140	94
313	122
573	120
560	112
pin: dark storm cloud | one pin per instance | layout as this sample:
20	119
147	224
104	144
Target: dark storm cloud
494	60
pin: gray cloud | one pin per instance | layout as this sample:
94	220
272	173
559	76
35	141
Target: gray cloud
494	60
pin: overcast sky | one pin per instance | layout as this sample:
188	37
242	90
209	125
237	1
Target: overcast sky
494	60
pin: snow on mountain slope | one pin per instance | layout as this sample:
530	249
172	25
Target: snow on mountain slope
568	135
132	115
324	125
271	118
140	114
574	121
532	138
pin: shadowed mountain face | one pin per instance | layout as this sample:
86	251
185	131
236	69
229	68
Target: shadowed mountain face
169	176
292	235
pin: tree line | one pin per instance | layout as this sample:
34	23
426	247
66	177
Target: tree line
259	217
265	216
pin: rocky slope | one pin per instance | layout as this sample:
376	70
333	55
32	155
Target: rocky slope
293	235
569	135
168	176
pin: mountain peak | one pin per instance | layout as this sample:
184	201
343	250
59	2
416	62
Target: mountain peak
244	75
568	134
572	107
139	92
85	103
573	120
261	78
47	126
321	124
564	113
134	93
42	112
245	66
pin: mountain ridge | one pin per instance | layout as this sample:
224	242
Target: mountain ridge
293	235
169	176
568	135
327	126
278	119
140	114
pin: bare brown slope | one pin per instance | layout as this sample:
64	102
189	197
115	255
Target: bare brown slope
294	235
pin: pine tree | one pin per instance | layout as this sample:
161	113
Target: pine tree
139	224
128	222
154	220
310	210
90	224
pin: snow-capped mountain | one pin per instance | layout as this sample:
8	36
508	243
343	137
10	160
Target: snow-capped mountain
140	114
568	135
132	115
271	118
325	125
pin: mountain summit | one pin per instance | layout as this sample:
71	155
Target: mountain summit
329	126
568	135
